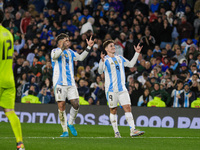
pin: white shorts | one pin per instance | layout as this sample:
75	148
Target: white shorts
114	98
63	91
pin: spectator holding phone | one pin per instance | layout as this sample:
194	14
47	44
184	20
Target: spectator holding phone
43	96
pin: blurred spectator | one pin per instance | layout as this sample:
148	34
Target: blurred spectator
17	20
186	44
164	95
44	98
119	47
101	97
18	67
52	4
189	14
18	46
197	24
31	84
1	5
186	97
178	55
39	5
19	85
7	20
145	98
37	67
166	34
194	82
137	91
30	98
148	41
70	27
31	29
183	72
25	67
149	55
94	56
52	97
176	93
174	65
83	90
143	78
64	16
87	26
154	6
85	14
175	33
129	49
32	11
25	22
47	71
156	102
182	6
74	5
185	29
142	7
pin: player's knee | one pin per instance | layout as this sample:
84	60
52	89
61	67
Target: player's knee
113	110
61	107
76	106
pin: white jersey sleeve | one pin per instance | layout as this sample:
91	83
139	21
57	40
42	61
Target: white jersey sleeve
101	67
55	53
81	56
131	63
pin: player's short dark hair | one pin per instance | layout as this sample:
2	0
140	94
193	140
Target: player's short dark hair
1	16
106	43
61	36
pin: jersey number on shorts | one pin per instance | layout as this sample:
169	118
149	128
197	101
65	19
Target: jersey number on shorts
110	97
59	90
6	50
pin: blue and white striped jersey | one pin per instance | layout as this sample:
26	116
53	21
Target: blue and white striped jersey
113	68
174	94
63	66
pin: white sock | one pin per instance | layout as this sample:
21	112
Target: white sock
63	120
73	113
129	119
113	120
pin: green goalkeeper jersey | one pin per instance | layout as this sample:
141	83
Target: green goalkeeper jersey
6	61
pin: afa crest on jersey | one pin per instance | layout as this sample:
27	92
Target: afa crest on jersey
116	62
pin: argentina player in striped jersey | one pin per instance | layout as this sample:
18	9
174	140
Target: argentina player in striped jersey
63	80
113	67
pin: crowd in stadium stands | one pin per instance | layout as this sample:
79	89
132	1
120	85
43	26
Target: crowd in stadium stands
169	31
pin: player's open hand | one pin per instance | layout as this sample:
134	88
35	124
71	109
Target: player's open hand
102	56
138	48
90	42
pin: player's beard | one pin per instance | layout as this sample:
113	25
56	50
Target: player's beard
65	47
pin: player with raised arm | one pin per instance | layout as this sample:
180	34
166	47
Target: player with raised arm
63	80
7	83
113	67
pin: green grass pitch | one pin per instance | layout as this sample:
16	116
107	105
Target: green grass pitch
96	137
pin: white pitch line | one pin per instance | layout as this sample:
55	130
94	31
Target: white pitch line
104	137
